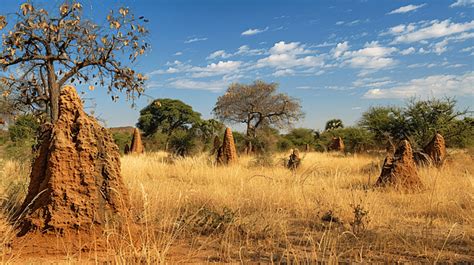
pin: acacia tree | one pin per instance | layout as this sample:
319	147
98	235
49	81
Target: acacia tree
167	116
42	51
257	105
333	124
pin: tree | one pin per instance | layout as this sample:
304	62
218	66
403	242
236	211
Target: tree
24	129
418	120
384	122
333	124
167	116
43	51
427	117
257	105
300	137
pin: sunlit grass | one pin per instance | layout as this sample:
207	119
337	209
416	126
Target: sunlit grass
189	210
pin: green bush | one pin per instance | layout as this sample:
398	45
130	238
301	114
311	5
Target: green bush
122	139
184	143
355	139
24	128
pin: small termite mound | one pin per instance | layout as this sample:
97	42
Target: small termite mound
227	154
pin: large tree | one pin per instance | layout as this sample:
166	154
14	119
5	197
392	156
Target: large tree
167	116
418	120
257	105
333	124
42	51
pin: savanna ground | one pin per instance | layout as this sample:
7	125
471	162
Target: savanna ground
189	210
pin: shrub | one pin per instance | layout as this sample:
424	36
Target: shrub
122	139
24	128
183	143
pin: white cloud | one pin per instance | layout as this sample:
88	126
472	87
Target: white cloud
340	22
250	32
468	49
199	85
340	49
245	50
405	9
289	55
435	29
435	85
354	22
284	72
194	40
469	3
440	47
324	44
407	51
219	53
372	82
372	56
215	69
294	48
178	53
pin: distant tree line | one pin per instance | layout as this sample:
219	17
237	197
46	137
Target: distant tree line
172	125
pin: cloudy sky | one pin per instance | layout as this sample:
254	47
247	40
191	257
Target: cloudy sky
337	57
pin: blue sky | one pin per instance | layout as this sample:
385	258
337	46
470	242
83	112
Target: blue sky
337	57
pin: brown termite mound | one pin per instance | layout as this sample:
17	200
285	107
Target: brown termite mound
126	149
337	144
390	148
216	144
136	147
436	150
294	161
399	170
227	154
75	183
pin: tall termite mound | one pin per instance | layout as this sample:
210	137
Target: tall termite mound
227	154
294	161
337	144
399	169
136	147
75	183
436	150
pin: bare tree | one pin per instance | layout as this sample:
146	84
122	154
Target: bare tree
41	52
256	105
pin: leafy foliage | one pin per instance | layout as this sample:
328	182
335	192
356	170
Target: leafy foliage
299	137
333	124
418	120
49	50
257	105
24	129
167	115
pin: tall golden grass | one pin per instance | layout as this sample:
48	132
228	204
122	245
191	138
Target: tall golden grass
190	210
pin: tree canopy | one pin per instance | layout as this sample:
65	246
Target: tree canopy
333	124
44	50
418	120
167	115
257	105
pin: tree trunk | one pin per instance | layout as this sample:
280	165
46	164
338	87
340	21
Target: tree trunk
54	90
54	102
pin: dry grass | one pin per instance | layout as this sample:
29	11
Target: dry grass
189	210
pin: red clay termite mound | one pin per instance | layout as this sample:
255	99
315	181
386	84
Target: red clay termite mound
227	153
399	169
436	150
337	144
137	146
126	149
75	183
